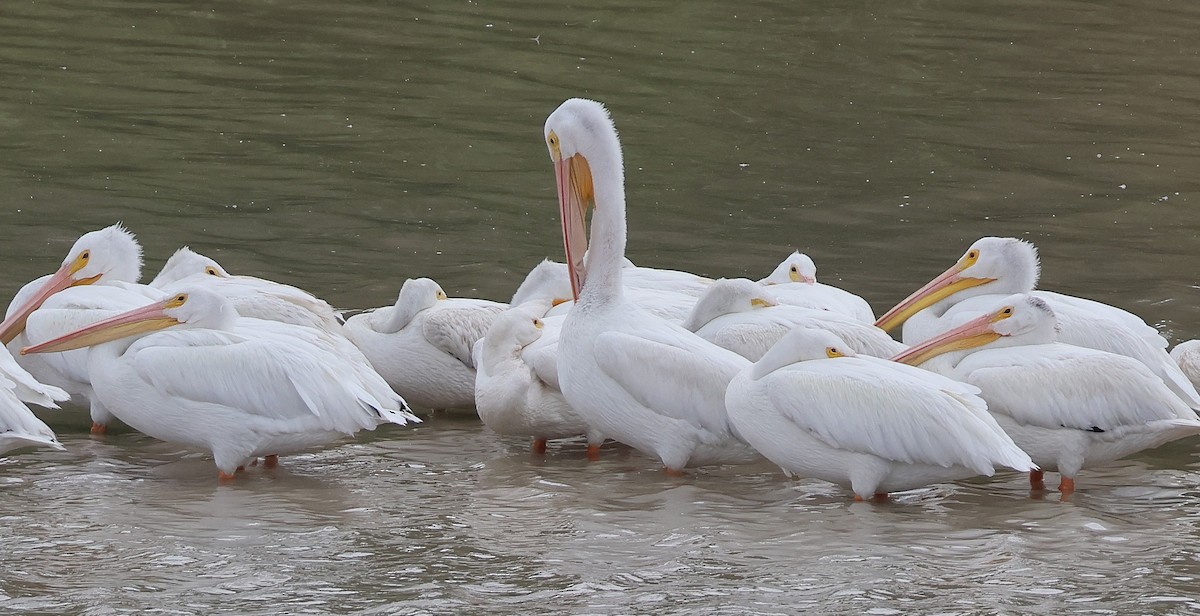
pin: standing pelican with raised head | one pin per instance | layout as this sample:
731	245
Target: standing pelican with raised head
1070	407
631	375
996	267
235	386
97	279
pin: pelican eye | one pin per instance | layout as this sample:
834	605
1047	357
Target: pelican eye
537	323
970	258
85	255
176	301
441	294
794	268
211	271
832	352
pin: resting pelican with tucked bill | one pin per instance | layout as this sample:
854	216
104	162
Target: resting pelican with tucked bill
189	370
794	282
19	427
1068	406
631	375
422	344
819	410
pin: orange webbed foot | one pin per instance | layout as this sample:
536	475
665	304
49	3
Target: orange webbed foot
671	472
223	476
1037	480
539	445
99	428
593	452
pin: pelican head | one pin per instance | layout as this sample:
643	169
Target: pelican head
517	327
727	296
547	280
187	262
1014	320
420	293
579	135
798	267
109	254
998	265
801	344
187	305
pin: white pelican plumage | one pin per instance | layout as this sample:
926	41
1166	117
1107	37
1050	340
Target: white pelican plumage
794	282
422	344
1187	356
19	427
633	376
672	301
238	387
1068	406
97	279
251	296
818	410
996	267
744	317
511	395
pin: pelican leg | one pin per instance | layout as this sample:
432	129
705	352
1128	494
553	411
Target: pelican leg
593	452
270	461
539	445
1066	487
99	428
222	476
1036	480
670	472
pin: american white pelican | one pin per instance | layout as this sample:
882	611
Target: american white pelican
743	316
238	387
19	427
996	267
251	296
633	376
1187	355
510	394
817	409
422	345
1068	406
549	280
97	279
794	282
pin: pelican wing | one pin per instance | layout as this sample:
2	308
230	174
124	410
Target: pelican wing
19	427
454	329
868	406
672	372
261	377
24	386
1059	385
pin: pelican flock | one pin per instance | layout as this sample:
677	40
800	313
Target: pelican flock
989	374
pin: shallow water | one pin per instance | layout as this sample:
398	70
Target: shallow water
343	147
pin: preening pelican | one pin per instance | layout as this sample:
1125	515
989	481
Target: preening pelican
1069	407
794	282
744	317
631	375
510	394
422	345
238	387
817	409
996	267
549	280
19	427
97	279
251	296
